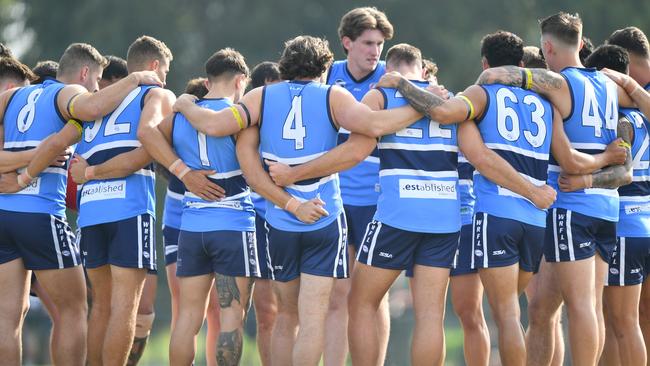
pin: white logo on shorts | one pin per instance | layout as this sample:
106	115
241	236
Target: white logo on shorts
635	270
385	255
146	254
499	252
66	253
563	247
365	248
613	271
479	253
585	244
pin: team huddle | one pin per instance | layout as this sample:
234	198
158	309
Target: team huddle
308	195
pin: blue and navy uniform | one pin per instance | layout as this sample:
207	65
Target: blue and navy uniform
172	218
583	222
360	184
464	261
418	211
517	124
116	216
260	233
215	236
630	260
296	126
32	221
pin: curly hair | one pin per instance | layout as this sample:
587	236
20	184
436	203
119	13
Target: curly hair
502	48
586	50
197	87
533	58
305	57
12	69
609	56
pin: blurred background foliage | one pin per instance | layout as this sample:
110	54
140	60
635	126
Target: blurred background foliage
449	32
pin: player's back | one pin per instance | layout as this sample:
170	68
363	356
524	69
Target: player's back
359	184
517	124
590	127
296	126
109	200
418	174
201	152
634	210
31	116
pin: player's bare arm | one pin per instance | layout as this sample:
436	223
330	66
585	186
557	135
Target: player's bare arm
251	165
342	157
630	93
496	169
574	162
610	177
225	122
75	102
358	117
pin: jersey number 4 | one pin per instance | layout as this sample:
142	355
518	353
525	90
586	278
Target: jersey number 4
590	111
293	128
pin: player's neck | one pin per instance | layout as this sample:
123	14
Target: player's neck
218	91
356	71
640	72
564	60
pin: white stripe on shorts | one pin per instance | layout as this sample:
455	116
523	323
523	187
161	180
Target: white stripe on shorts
243	242
621	270
372	245
338	247
268	252
555	238
57	246
485	247
569	236
152	245
257	257
472	263
140	241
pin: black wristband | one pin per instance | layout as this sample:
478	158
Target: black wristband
248	115
523	78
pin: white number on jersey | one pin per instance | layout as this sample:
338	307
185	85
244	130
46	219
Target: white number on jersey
638	161
27	112
203	149
112	127
293	128
536	116
590	115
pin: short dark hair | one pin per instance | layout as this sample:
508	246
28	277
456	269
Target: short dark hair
45	69
403	53
632	39
609	56
586	50
430	68
358	20
78	55
226	62
12	69
145	49
116	68
264	72
563	26
5	51
197	87
305	57
502	48
533	58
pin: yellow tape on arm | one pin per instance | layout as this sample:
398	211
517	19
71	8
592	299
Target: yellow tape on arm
77	124
237	115
529	79
470	105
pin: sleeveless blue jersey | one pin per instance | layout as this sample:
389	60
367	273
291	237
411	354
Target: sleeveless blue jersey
418	174
260	204
466	190
296	127
517	124
634	211
110	200
590	127
173	203
235	211
359	185
31	116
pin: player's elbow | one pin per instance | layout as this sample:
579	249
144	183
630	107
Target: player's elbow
627	178
486	77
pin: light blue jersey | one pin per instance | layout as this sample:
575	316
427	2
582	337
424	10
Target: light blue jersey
590	127
235	211
517	124
109	200
173	203
360	184
296	127
30	117
418	174
466	190
634	211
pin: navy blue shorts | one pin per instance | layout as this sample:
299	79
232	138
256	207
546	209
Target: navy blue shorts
630	262
390	248
170	242
128	243
262	247
501	242
464	259
321	252
43	241
229	253
572	236
358	218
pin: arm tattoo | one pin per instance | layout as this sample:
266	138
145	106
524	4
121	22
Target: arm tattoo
616	176
421	100
229	348
543	80
227	290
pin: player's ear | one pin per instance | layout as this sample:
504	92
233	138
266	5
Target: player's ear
206	83
154	65
346	41
484	63
83	73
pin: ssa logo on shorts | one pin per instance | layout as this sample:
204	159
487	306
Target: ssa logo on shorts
103	191
434	189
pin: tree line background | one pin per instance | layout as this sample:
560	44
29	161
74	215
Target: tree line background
449	32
